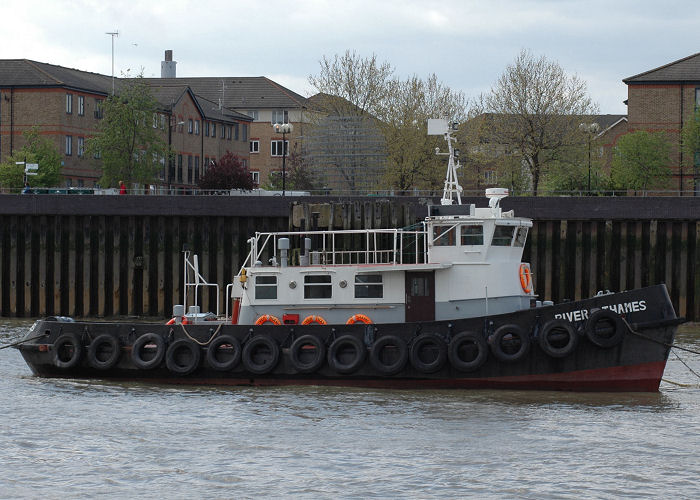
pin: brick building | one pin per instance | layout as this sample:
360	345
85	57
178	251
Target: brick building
663	99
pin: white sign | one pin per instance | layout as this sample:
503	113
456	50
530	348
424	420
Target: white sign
32	166
31	173
437	126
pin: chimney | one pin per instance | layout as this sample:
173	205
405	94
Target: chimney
167	67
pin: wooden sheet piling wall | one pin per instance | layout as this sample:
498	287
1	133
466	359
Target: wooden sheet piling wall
97	256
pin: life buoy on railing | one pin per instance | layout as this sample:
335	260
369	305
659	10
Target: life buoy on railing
525	278
184	321
314	319
265	318
359	318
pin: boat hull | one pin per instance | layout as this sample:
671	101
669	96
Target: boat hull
632	358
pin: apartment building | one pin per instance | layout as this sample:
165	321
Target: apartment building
664	99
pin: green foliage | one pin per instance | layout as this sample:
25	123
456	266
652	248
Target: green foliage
690	135
640	161
227	173
299	176
37	149
131	148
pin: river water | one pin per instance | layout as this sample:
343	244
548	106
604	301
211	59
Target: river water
79	439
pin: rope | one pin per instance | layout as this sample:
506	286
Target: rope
216	332
666	344
23	341
686	365
679	384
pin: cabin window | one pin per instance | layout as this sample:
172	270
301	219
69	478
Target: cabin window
472	235
369	286
520	237
444	236
502	236
318	286
266	287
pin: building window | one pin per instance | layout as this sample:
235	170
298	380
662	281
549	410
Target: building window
369	286
81	146
228	132
206	129
490	177
253	113
69	145
502	236
213	130
235	131
266	287
276	148
98	109
189	126
244	132
255	146
162	122
196	127
318	287
155	120
69	103
472	235
223	131
697	98
444	236
81	105
189	170
179	168
280	116
196	169
256	177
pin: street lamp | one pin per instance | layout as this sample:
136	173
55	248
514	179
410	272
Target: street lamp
112	34
284	129
590	129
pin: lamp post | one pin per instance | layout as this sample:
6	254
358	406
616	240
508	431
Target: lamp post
284	129
112	34
590	129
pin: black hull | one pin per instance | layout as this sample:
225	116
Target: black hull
634	362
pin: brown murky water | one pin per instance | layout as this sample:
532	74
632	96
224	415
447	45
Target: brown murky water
71	439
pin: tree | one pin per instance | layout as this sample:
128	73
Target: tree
37	149
227	173
299	176
131	148
640	161
537	110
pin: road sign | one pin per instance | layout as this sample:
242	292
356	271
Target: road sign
31	173
31	166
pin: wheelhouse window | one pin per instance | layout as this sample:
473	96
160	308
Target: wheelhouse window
520	237
444	236
502	236
472	234
266	287
369	286
318	286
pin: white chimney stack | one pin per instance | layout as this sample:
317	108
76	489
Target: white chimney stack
167	67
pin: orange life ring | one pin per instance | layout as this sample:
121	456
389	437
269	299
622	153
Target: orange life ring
268	317
172	321
314	319
525	278
359	317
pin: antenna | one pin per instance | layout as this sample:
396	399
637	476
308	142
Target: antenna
452	187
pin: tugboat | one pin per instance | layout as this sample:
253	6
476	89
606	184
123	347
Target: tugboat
443	305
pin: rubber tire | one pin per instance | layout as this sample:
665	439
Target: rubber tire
172	360
356	363
295	352
419	343
375	355
95	348
456	344
60	344
558	325
215	345
498	336
140	342
249	350
613	320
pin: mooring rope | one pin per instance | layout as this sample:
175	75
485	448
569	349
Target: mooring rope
666	344
216	332
24	340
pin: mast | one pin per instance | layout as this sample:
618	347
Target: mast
452	188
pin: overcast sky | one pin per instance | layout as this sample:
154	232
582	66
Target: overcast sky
467	44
